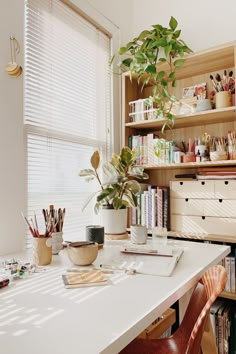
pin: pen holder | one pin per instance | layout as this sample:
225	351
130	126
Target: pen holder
232	152
42	251
189	158
223	99
57	240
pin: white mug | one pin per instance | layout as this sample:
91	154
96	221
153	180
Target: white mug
138	234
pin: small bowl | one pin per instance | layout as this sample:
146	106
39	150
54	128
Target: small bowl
83	254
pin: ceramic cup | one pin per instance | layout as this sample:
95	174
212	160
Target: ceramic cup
42	251
138	234
223	99
57	240
95	233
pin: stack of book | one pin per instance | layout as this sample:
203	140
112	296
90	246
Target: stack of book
153	207
223	321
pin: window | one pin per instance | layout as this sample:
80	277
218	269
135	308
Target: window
67	108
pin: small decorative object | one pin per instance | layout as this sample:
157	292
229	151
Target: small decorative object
138	234
95	233
12	68
117	189
144	53
82	253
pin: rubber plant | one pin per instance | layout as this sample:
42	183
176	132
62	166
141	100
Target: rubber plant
142	58
118	188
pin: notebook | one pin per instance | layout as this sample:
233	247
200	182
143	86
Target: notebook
78	279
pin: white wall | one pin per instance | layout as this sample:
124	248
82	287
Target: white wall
204	23
11	133
120	13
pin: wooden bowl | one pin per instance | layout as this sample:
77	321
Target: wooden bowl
83	255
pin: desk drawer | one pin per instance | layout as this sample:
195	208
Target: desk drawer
225	189
187	206
204	207
158	327
219	207
203	225
192	189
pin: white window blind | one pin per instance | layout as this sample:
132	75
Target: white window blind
67	108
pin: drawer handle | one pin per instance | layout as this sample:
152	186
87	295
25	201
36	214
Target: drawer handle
203	183
226	182
181	183
186	199
220	200
203	217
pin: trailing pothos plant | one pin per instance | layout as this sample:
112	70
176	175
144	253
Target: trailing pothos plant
118	188
142	56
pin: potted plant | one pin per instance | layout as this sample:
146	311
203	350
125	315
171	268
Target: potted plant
117	187
142	58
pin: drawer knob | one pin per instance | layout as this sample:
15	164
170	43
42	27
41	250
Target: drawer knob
203	183
220	200
181	183
203	217
186	199
226	182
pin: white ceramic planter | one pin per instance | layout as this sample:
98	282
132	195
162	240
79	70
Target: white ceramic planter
114	221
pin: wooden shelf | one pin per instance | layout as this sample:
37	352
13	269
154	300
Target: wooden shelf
191	165
213	116
203	237
203	62
227	295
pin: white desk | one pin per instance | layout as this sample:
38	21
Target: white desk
37	315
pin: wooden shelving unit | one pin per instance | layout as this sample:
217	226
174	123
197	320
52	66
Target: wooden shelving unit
197	69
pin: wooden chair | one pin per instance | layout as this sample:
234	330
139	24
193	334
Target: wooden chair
187	338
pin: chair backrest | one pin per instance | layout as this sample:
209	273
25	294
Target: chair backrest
213	280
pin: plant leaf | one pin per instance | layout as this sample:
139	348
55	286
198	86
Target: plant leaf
133	186
151	69
178	62
173	23
122	50
95	160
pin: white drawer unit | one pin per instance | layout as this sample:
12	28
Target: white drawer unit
203	207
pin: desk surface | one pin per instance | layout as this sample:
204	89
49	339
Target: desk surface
38	315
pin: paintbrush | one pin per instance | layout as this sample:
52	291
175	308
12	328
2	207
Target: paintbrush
214	83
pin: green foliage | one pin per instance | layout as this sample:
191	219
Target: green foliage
119	188
142	56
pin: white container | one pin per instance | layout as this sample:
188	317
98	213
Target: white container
114	221
57	240
138	234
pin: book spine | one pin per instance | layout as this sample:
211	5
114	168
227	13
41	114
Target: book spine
232	274
227	268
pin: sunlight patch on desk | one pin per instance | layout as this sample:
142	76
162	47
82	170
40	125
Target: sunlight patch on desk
48	317
20	332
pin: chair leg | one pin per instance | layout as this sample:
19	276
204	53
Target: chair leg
208	344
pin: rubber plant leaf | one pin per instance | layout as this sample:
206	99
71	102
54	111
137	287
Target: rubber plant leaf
95	160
